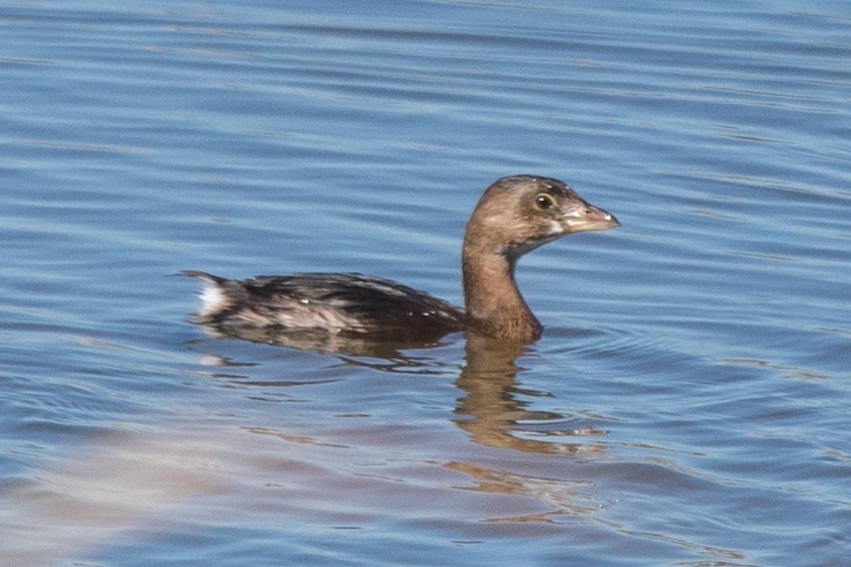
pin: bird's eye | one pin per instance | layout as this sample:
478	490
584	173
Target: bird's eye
544	201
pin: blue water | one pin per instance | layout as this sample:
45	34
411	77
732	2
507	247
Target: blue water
687	404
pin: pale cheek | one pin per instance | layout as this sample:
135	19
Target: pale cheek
556	228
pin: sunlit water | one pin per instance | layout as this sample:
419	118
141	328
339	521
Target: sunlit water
687	405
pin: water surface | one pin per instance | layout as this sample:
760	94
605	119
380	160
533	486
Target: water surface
687	404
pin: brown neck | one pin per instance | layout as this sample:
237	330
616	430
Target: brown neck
494	304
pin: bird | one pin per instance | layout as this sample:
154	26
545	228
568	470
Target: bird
515	215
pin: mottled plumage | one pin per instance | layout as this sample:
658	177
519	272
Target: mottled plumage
338	303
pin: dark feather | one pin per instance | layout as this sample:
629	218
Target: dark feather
340	303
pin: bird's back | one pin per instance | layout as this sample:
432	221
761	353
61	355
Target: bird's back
336	303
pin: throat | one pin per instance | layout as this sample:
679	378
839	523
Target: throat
494	304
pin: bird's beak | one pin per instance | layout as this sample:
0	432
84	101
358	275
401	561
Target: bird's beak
583	217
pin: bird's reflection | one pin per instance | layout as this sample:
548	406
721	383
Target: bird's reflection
124	479
490	411
325	343
489	408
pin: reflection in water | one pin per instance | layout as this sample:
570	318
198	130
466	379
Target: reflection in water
120	483
491	413
323	342
563	495
95	497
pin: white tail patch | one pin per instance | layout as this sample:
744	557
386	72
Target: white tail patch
212	299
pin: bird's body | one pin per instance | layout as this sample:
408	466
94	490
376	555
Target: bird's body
337	303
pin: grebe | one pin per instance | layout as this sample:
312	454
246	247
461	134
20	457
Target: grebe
514	215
